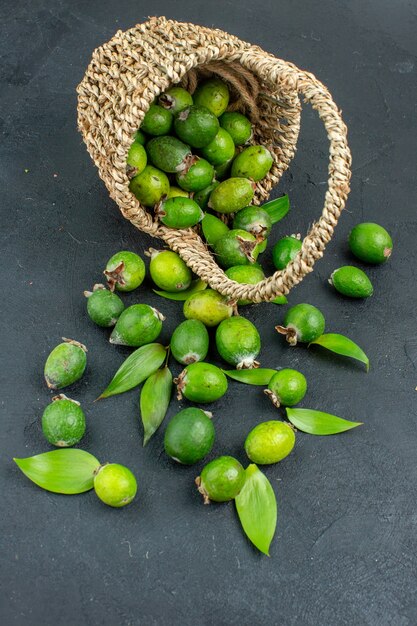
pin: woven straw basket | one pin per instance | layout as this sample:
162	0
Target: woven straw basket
128	72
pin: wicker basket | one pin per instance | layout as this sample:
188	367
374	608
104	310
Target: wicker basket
128	72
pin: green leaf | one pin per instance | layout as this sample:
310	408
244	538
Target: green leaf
138	367
63	471
180	296
256	506
260	376
342	345
319	423
277	209
213	228
154	401
280	300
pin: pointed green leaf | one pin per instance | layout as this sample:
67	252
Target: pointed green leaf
154	401
256	506
180	296
319	423
277	209
213	228
63	471
260	376
280	300
342	345
136	368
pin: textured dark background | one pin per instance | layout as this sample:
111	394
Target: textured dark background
345	549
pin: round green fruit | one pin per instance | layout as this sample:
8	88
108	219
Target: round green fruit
269	442
220	150
237	247
287	387
136	158
212	94
197	177
238	342
351	281
231	195
179	212
63	422
370	243
190	342
138	324
254	219
175	192
115	485
125	271
175	99
221	480
201	382
285	250
168	154
150	186
103	306
237	125
65	364
157	121
139	137
245	274
196	126
168	271
207	306
302	323
189	436
253	162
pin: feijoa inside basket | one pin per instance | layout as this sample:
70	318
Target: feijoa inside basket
128	72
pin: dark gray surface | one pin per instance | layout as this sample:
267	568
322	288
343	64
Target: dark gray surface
345	549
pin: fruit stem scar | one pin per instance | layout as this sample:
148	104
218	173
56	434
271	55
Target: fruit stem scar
114	276
273	397
289	332
73	342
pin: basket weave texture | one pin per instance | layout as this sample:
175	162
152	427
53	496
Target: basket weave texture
127	73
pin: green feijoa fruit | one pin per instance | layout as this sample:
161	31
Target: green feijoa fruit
157	121
269	442
237	247
103	306
220	150
302	323
63	422
370	243
175	192
175	99
138	324
201	382
212	94
285	250
190	342
238	342
150	186
168	271
245	274
65	364
213	228
189	436
222	171
139	137
207	306
253	162
231	195
196	126
237	125
253	219
179	212
197	177
221	480
115	484
287	387
351	281
202	196
125	271
168	154
136	158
